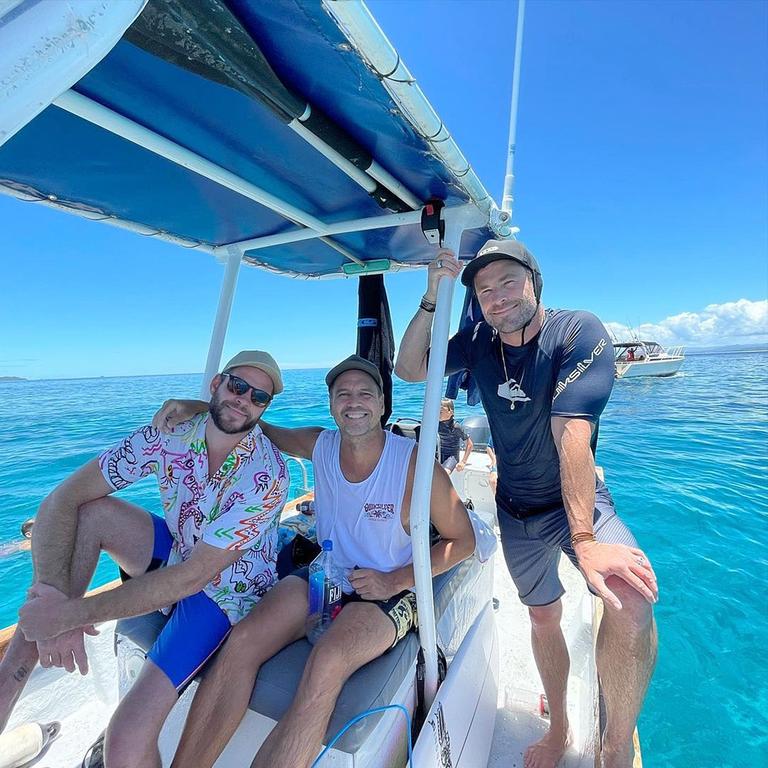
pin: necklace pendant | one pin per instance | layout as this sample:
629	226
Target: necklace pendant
512	391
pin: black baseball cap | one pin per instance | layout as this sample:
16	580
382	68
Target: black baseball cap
496	250
354	363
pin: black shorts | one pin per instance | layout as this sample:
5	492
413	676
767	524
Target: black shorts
400	609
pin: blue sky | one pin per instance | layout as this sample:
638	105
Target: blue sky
641	186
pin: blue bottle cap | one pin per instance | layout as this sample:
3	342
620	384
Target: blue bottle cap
327	545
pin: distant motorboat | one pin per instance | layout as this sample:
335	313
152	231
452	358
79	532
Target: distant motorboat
646	358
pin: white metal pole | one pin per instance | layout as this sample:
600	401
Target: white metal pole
359	27
337	228
226	296
456	221
507	199
109	120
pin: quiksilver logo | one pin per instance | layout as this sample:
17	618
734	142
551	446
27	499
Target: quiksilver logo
579	369
512	391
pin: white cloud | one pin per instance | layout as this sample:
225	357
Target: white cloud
735	322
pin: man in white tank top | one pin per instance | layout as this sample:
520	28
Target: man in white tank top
363	484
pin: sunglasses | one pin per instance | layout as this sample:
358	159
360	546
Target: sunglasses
238	386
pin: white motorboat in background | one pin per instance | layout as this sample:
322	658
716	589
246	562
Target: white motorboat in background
646	358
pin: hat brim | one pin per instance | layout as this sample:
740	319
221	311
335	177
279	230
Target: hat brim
363	366
474	266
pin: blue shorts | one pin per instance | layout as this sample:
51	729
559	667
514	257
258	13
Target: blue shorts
532	547
195	630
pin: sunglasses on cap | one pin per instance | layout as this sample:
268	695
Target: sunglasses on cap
239	387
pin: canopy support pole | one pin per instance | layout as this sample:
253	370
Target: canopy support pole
507	199
228	285
456	221
90	110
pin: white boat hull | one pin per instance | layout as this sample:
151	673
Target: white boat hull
459	727
667	367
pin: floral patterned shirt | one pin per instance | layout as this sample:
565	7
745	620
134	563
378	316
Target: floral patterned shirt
238	508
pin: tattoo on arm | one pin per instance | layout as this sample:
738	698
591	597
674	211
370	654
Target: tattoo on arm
20	673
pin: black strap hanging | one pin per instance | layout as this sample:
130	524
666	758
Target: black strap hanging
375	337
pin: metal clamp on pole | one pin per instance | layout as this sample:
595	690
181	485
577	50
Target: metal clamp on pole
432	222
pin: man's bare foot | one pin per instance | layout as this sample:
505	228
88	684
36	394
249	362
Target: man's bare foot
546	752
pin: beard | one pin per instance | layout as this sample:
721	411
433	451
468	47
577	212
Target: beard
226	421
518	319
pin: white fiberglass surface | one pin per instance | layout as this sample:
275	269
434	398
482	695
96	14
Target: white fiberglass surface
83	705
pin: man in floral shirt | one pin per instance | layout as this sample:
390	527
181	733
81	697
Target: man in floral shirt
206	562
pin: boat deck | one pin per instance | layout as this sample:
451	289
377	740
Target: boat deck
518	720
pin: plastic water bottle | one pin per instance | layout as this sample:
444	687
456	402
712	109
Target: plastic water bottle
325	580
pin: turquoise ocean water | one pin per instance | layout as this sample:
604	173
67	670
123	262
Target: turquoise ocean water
686	459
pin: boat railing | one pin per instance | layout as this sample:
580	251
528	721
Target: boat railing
665	354
303	467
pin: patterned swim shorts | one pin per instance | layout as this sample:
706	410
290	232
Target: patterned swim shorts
400	608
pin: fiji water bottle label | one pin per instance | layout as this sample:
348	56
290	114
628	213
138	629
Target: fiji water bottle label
316	591
334	593
333	599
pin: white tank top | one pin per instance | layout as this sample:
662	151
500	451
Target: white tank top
363	519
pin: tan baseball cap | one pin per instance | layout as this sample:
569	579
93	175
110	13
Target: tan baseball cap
256	358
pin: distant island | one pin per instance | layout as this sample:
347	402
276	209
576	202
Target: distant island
12	378
727	349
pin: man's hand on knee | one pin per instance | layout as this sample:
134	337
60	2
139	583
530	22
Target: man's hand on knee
598	561
37	617
66	650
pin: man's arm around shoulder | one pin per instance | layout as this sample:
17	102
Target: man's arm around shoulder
298	441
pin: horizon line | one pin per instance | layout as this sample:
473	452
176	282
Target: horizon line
10	378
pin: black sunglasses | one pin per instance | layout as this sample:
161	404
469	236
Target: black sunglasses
239	387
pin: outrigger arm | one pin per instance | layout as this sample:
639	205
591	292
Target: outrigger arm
457	220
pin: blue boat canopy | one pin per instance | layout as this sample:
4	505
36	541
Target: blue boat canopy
225	122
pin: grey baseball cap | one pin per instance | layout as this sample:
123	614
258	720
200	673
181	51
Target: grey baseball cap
496	250
354	363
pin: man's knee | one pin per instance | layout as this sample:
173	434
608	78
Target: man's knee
244	646
328	667
91	514
636	612
546	618
122	747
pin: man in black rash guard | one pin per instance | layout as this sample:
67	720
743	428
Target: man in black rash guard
544	377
